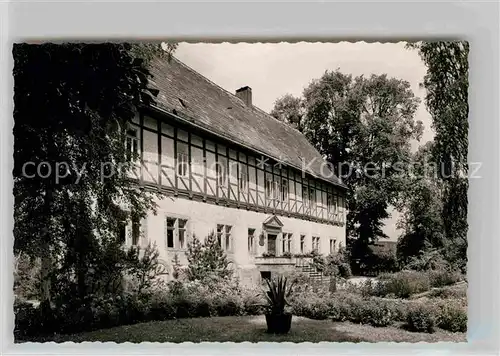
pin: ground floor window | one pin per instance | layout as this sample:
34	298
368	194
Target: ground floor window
302	243
176	233
136	232
315	244
133	230
287	243
265	275
251	241
333	243
224	236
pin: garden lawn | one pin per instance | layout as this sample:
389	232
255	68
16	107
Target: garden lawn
253	329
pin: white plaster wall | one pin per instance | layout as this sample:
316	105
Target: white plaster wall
203	218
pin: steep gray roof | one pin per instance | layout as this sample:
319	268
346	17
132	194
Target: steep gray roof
205	104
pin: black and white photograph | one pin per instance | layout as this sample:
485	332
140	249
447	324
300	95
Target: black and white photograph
172	191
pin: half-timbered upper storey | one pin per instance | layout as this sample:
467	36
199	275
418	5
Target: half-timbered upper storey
201	142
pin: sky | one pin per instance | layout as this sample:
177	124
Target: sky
275	69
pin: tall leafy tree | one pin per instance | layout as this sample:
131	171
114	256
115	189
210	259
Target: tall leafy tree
72	104
363	126
421	219
446	83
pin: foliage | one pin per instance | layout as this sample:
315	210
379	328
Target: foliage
359	124
290	110
441	277
421	317
278	294
453	317
421	218
450	292
335	264
142	268
190	299
401	285
26	277
72	105
268	254
446	83
207	259
428	259
347	307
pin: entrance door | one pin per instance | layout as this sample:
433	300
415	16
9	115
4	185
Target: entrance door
271	243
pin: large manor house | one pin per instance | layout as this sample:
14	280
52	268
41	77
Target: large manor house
226	167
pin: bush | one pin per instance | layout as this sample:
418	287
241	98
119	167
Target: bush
400	284
228	305
345	306
337	264
448	292
162	307
253	302
442	277
421	318
375	313
310	306
453	317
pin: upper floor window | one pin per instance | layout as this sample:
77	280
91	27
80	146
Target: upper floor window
243	177
273	189
284	190
332	204
224	236
132	144
176	233
312	197
182	160
221	172
305	196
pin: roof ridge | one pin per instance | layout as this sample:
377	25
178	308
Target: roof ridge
233	95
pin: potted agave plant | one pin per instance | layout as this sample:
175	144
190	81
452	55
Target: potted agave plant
278	321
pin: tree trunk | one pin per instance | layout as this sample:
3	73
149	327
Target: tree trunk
46	263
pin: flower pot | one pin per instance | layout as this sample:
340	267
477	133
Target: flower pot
278	323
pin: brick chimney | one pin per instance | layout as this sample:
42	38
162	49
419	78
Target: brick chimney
245	94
